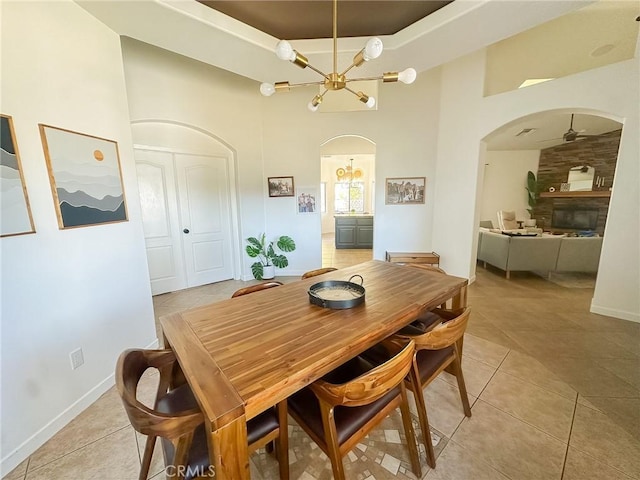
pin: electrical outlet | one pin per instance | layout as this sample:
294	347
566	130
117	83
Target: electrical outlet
77	359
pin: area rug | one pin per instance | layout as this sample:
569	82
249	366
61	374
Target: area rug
573	279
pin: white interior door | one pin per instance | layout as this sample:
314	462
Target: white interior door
158	199
203	194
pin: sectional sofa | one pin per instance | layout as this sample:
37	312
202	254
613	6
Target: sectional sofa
543	253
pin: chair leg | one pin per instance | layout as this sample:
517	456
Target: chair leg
457	366
181	456
282	444
416	388
409	433
331	439
146	457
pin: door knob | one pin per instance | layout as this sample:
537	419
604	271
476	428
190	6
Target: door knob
186	230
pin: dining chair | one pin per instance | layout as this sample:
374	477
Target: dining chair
435	350
255	288
177	419
340	409
318	271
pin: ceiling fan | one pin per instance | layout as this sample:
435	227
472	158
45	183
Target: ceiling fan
571	135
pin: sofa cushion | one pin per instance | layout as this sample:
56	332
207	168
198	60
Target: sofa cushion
579	254
494	249
533	253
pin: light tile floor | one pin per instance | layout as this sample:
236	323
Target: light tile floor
342	257
555	393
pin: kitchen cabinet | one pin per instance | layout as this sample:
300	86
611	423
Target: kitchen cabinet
354	231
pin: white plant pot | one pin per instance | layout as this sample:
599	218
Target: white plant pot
530	222
268	272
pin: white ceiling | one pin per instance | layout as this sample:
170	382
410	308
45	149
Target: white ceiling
196	31
548	130
191	29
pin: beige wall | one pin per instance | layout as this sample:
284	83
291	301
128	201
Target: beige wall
65	289
89	287
610	91
505	179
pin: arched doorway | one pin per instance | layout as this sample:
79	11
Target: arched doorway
347	200
186	184
558	146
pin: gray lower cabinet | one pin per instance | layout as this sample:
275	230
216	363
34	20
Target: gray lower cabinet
354	231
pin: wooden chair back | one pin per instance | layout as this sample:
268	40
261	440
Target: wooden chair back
369	387
362	392
256	288
130	367
319	271
448	333
178	427
443	335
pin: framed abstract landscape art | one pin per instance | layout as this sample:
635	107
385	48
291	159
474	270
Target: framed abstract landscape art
85	177
15	213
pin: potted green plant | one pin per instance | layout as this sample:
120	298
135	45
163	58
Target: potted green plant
532	192
267	256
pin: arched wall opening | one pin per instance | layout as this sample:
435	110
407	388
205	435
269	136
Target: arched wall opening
543	149
348	189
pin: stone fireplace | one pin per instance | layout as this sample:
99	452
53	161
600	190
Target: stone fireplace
601	153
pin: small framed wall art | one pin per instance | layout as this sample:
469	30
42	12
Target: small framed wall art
404	190
85	176
280	186
306	200
14	201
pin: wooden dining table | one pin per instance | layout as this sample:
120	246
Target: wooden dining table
246	354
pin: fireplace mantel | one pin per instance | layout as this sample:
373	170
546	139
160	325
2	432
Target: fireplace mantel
581	194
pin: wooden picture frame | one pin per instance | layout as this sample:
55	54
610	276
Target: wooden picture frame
307	200
85	176
404	190
15	209
280	186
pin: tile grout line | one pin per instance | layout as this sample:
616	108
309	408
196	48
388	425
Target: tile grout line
510	414
566	453
80	448
543	388
482	460
478	397
27	469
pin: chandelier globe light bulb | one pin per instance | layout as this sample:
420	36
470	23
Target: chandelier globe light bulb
371	102
267	89
373	49
312	107
285	51
407	76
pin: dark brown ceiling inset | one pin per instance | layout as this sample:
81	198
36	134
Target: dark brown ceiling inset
296	20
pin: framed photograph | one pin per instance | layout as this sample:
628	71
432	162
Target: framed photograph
14	201
280	186
404	190
85	176
306	200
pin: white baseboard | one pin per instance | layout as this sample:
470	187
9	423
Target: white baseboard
612	312
35	441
